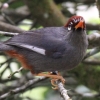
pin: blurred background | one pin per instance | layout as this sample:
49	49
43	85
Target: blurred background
17	16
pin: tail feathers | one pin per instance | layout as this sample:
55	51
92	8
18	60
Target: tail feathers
4	47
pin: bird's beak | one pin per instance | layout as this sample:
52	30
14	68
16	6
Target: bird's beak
80	25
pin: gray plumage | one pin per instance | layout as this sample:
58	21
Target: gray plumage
65	48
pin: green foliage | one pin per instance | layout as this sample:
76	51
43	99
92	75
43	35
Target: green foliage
3	1
88	75
94	20
17	4
3	38
36	93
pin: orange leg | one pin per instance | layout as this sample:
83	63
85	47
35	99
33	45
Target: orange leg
54	77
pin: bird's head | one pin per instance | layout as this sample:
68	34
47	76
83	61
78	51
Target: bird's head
76	23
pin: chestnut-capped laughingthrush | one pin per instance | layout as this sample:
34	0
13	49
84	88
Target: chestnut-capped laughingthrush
50	49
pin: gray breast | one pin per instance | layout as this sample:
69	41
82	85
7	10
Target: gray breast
43	63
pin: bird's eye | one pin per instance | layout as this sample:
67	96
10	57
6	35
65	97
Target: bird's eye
69	28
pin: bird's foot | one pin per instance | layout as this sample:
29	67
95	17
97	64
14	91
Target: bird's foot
54	78
54	81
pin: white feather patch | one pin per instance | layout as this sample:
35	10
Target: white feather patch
39	50
33	48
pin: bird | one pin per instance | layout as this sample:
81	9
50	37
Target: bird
50	50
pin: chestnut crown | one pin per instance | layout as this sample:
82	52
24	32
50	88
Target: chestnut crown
75	22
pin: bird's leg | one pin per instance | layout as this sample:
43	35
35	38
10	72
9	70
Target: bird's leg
54	80
54	77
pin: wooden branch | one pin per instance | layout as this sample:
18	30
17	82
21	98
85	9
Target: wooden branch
9	28
91	62
63	91
48	15
98	6
92	27
74	1
60	86
8	33
94	40
10	76
15	13
92	52
21	88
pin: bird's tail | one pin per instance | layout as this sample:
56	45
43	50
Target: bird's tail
4	47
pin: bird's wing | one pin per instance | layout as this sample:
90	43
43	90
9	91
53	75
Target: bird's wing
44	44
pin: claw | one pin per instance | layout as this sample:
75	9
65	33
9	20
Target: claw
54	78
54	82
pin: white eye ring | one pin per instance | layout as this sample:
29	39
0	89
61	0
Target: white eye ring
69	28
